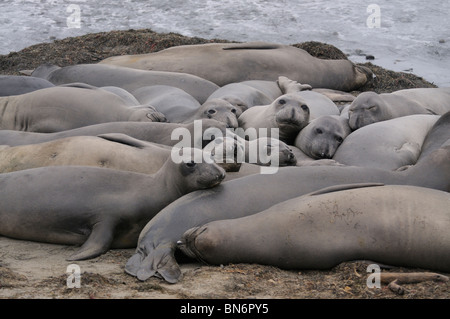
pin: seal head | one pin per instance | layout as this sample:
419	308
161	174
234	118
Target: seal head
366	109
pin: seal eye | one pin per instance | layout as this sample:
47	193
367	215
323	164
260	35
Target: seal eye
191	164
319	131
304	107
282	101
211	111
339	139
372	108
233	111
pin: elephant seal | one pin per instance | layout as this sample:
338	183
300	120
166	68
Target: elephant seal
260	151
252	194
289	113
63	108
156	132
17	85
126	78
322	230
115	151
242	95
249	61
176	104
180	107
387	145
319	105
370	107
323	136
97	207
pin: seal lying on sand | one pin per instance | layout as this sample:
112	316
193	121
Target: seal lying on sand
63	108
370	107
97	207
323	229
387	145
255	193
114	150
234	63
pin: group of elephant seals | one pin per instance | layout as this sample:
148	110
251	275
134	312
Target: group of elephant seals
388	145
63	108
237	62
114	150
17	85
101	75
156	132
319	231
100	208
288	113
249	195
322	137
371	107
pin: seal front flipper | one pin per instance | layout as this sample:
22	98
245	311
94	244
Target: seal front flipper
97	243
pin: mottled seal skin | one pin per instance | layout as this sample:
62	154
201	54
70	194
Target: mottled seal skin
155	132
255	193
319	231
289	113
96	207
114	150
63	108
370	107
17	85
250	61
126	78
322	137
388	144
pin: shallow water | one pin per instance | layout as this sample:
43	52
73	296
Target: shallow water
412	37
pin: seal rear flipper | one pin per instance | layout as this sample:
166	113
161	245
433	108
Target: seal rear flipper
160	262
97	243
